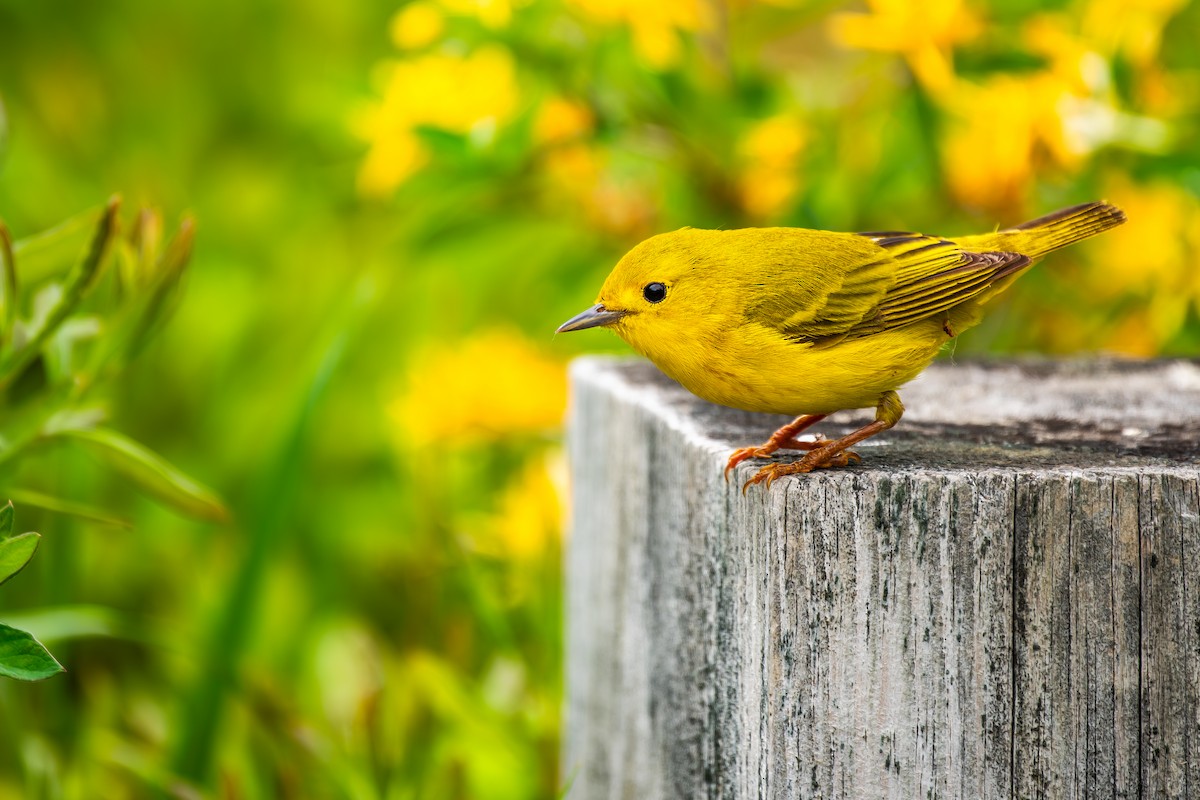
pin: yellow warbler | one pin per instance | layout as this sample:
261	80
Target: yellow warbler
796	321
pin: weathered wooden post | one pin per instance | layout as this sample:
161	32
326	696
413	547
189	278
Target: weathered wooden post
1003	601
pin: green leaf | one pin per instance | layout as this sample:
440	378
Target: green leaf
152	276
151	472
15	554
43	254
165	275
81	278
6	520
59	505
23	657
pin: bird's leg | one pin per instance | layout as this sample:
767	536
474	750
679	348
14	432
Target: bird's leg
784	438
836	453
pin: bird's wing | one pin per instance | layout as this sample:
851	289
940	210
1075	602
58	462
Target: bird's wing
925	276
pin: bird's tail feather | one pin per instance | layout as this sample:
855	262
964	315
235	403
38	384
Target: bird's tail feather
1052	231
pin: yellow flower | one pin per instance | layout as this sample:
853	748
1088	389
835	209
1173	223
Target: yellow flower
463	94
561	120
924	33
991	148
580	172
1153	258
492	386
530	515
389	161
1133	28
655	26
417	25
770	151
574	169
1138	38
493	13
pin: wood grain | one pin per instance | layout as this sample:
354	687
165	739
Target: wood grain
1002	601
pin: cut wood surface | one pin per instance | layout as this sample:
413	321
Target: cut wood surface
1002	601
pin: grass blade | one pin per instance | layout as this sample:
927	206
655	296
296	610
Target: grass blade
59	505
151	472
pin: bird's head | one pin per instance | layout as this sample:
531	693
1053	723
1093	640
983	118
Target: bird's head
663	297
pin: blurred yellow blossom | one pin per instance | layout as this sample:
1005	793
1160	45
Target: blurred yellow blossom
924	33
417	25
560	120
655	26
623	206
1138	38
1088	107
991	148
456	93
1132	28
580	172
578	169
574	168
1153	257
492	386
530	513
770	152
1006	129
493	13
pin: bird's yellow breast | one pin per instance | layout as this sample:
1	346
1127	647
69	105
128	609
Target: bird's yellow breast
755	368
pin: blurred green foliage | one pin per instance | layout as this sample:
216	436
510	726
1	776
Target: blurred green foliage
396	203
22	657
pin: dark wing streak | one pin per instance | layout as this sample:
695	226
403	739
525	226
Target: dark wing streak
979	268
896	241
884	234
911	307
934	245
921	299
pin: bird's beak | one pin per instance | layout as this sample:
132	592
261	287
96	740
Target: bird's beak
595	316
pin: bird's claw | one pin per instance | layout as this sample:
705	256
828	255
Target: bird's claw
766	451
813	460
742	454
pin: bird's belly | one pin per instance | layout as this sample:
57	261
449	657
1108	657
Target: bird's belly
781	377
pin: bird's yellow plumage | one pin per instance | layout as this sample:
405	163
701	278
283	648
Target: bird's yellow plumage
805	322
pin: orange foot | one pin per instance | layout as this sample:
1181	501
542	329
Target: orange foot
823	458
830	454
766	450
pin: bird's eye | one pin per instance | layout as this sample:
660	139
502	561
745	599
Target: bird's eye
654	292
